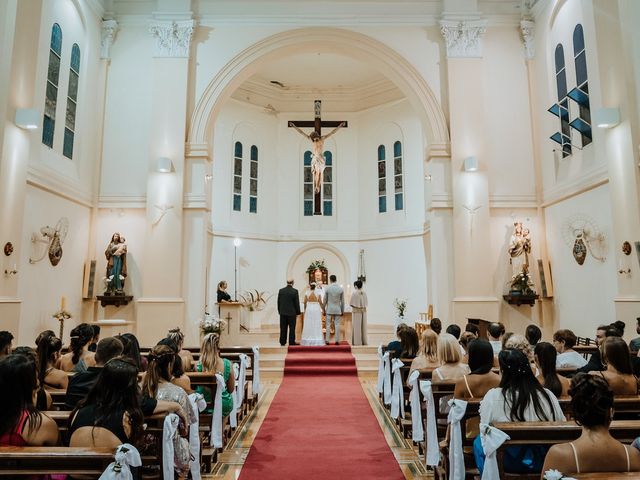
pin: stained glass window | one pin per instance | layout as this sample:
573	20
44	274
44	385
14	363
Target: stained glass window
326	197
53	78
382	179
397	175
561	109
253	180
580	94
307	185
72	101
327	185
237	177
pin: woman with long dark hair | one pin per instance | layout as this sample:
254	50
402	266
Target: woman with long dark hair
21	424
592	407
519	398
132	350
48	350
482	378
545	358
618	371
178	376
79	358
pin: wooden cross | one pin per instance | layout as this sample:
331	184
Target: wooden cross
317	125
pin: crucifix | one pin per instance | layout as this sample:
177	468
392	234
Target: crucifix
317	154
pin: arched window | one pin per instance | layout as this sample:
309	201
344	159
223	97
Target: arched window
327	185
382	180
580	94
72	102
561	109
237	177
309	196
53	77
253	180
397	175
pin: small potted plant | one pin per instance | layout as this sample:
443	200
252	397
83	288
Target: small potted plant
401	305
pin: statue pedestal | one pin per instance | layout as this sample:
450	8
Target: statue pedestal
231	313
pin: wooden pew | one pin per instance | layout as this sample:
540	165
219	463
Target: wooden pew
24	461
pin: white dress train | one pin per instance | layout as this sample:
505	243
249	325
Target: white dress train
312	330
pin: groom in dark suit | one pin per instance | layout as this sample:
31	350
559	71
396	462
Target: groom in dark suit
289	309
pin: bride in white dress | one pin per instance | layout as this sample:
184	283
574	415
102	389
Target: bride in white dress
312	330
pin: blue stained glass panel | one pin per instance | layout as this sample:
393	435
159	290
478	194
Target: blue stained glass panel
75	58
382	204
253	205
556	137
67	148
399	201
578	39
307	158
583	127
237	150
53	74
561	84
48	126
397	149
581	68
328	158
381	153
56	38
559	58
254	153
327	208
237	201
579	96
308	208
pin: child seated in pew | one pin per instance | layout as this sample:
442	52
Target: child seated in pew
482	378
519	398
49	347
428	352
211	361
592	407
545	358
618	373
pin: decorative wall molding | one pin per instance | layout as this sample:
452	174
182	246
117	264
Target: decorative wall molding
173	38
195	201
122	201
317	236
51	181
196	150
108	35
528	34
160	300
564	191
463	38
10	300
438	150
444	200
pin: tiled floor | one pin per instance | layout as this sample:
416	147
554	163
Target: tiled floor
231	461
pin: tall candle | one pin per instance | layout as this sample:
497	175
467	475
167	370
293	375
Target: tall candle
63	302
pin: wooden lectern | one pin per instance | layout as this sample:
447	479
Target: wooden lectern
483	326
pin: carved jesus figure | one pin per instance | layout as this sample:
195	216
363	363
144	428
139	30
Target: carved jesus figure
317	155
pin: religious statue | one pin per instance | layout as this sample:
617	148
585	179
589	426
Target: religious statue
519	251
317	154
116	254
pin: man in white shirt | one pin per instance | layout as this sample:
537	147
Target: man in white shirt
495	331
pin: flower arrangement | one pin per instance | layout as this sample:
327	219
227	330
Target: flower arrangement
522	284
254	301
316	265
208	324
401	306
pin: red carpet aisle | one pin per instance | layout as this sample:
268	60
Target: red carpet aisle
320	424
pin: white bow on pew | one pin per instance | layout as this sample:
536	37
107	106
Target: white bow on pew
491	438
397	395
242	379
386	384
233	416
216	420
256	387
380	385
433	449
417	430
126	456
198	404
456	456
169	433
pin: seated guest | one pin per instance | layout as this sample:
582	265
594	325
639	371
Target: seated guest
634	345
518	342
595	360
428	352
436	325
112	413
45	333
564	340
222	295
21	424
519	398
43	397
465	339
210	361
482	378
454	330
595	450
495	331
619	325
79	358
472	328
449	357
96	338
618	372
178	338
545	357
132	350
81	383
410	343
396	345
178	376
6	339
48	355
533	334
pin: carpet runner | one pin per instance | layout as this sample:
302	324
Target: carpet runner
320	424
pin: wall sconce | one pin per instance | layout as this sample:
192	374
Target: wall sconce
9	272
606	117
427	178
27	118
470	164
164	165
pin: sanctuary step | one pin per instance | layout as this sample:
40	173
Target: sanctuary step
321	360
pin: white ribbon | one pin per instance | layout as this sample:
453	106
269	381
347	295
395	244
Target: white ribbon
397	396
433	449
386	385
256	388
126	456
491	439
456	456
169	433
216	420
233	416
380	386
417	430
198	404
242	379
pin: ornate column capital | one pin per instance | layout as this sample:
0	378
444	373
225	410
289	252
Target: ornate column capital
528	33
173	37
108	35
463	37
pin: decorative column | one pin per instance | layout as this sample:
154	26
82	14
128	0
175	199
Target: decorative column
162	305
473	266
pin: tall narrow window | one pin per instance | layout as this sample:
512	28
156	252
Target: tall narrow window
253	180
382	180
72	102
580	94
53	77
237	176
307	185
561	109
397	175
327	185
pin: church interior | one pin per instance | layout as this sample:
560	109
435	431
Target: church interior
171	165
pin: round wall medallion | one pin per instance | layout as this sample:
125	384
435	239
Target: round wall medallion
8	248
626	248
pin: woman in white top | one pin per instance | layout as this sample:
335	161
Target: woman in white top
519	398
564	341
312	329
